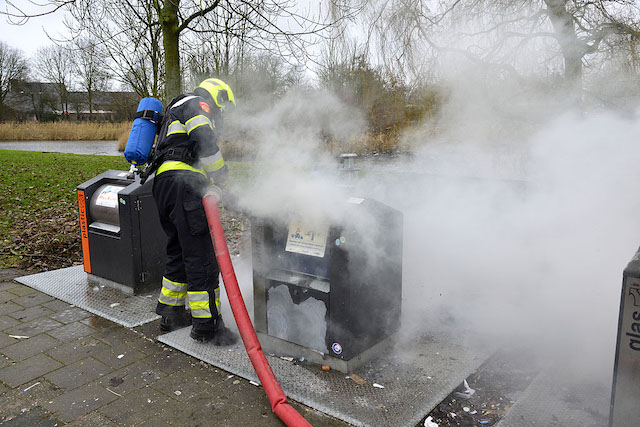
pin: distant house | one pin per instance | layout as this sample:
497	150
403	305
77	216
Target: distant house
36	101
32	101
106	106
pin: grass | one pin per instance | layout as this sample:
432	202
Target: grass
39	222
39	225
63	131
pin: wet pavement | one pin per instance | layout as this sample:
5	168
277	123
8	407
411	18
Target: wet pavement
60	365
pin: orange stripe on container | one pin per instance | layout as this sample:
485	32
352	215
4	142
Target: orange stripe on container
84	231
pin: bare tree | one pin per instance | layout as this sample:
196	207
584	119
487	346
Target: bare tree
236	27
13	66
498	32
90	70
43	100
219	46
54	64
232	54
178	18
130	35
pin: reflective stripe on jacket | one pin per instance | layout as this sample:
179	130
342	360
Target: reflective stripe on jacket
189	125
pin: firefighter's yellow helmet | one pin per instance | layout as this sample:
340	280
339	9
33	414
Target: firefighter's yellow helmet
220	92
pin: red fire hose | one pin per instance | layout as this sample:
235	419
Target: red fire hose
276	396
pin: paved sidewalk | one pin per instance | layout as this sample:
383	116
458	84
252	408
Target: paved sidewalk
62	365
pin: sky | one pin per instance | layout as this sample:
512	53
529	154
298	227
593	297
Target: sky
33	34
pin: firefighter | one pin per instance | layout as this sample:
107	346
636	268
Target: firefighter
187	163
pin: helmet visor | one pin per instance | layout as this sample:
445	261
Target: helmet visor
223	99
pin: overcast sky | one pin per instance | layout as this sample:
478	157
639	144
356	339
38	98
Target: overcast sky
32	35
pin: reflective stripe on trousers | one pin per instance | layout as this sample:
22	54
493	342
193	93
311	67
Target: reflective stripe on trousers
173	293
199	303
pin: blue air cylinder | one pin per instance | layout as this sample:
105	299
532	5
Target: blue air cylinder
143	131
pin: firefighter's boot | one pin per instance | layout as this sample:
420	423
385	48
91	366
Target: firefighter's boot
220	335
170	323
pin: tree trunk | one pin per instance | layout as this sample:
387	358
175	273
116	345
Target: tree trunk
65	104
32	97
155	65
571	47
61	94
90	99
170	35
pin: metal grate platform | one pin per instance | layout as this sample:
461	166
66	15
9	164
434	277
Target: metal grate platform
560	397
416	376
74	286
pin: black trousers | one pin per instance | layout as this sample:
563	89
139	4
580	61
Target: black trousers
191	263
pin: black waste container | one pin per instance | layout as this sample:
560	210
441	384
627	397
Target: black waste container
330	289
122	239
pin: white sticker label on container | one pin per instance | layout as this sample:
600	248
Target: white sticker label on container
307	240
355	200
108	196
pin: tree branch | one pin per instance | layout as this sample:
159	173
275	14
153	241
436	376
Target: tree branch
197	14
24	17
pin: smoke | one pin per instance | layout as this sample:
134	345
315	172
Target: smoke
540	260
519	220
520	216
296	174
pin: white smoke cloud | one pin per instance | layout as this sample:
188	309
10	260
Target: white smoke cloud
296	172
536	260
519	217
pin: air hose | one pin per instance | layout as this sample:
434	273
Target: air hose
274	392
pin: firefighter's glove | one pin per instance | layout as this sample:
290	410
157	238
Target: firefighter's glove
215	191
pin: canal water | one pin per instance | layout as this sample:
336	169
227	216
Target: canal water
104	148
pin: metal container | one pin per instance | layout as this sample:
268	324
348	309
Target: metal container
625	393
329	292
123	244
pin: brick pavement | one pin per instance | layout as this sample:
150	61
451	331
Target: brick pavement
62	365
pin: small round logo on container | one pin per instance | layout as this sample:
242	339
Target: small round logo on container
337	348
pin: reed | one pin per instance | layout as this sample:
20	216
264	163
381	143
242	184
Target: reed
365	143
63	131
